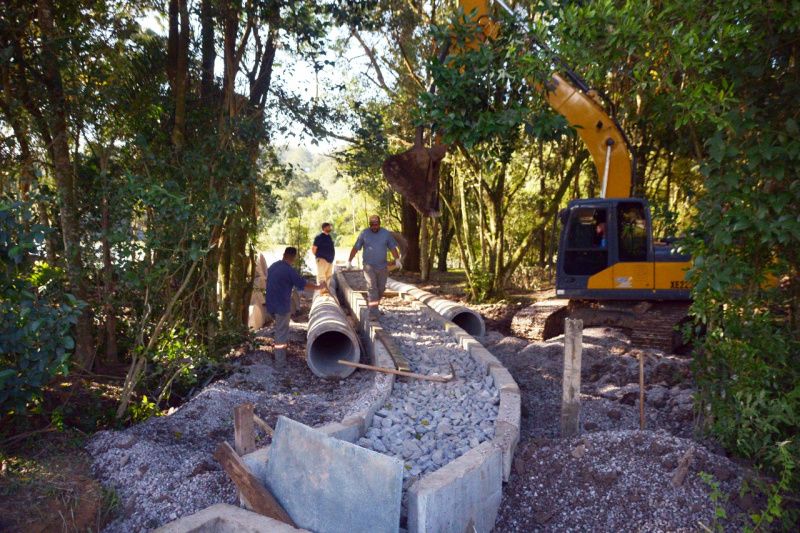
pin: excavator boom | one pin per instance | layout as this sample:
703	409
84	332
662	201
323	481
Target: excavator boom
610	270
415	172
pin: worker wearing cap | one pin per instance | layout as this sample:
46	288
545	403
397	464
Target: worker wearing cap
375	241
281	279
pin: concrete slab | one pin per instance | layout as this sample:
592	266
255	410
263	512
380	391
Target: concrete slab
466	491
329	485
256	463
224	518
485	357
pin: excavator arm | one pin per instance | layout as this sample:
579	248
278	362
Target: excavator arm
571	97
415	173
603	137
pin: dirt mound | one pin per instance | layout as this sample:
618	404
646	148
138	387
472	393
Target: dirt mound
615	481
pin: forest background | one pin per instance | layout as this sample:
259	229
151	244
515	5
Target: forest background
142	169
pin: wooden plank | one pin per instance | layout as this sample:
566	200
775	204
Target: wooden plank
400	362
641	390
258	497
439	379
679	474
571	389
244	435
263	425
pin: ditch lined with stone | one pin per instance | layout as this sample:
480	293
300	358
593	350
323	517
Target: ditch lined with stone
424	423
432	426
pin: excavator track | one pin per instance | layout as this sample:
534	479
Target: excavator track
651	324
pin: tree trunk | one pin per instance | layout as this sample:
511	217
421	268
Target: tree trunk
424	250
208	50
515	258
108	270
179	39
409	220
444	247
63	171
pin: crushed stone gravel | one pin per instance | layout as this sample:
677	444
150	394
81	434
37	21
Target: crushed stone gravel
614	481
428	424
163	469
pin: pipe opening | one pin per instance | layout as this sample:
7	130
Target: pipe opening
470	323
327	349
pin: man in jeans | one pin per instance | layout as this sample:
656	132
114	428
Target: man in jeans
281	278
324	251
375	241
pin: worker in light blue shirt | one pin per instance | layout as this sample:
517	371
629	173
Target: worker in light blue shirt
375	241
281	279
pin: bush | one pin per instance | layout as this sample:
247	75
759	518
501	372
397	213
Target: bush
746	296
36	314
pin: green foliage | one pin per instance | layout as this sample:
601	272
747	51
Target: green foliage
719	499
486	92
36	313
746	249
143	410
481	285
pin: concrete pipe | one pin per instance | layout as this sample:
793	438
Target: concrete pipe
462	316
329	339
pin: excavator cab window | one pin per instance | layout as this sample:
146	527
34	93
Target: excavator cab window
632	231
587	241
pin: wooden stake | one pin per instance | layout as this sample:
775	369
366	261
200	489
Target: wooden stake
244	435
683	468
260	499
439	379
641	390
571	389
263	425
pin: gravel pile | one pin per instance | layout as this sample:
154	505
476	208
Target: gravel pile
616	481
163	468
424	423
613	477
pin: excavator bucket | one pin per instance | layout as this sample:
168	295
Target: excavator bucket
415	175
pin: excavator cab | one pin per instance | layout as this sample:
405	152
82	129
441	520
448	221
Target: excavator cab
607	251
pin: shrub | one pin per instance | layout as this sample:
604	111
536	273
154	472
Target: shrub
36	314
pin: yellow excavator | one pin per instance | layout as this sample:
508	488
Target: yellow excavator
610	271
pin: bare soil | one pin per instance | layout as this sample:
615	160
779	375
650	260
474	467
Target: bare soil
613	477
46	485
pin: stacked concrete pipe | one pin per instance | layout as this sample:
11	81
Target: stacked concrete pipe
462	316
330	338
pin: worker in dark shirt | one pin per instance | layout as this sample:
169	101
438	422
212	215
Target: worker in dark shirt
324	251
281	279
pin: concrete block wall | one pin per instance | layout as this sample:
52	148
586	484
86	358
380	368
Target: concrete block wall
464	492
